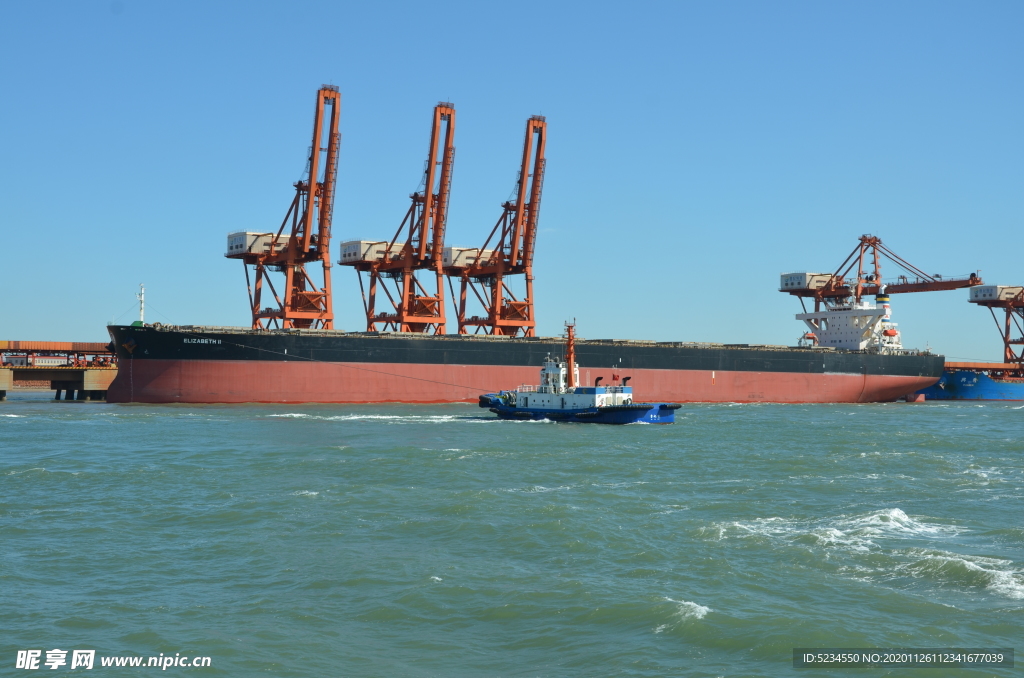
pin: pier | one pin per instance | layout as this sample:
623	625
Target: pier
76	371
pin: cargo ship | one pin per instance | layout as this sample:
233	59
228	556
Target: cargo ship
851	353
293	353
196	364
978	381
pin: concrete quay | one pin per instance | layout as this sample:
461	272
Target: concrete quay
74	383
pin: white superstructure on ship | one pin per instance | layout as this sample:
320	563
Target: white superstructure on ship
855	325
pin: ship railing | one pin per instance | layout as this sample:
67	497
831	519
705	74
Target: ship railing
526	388
888	351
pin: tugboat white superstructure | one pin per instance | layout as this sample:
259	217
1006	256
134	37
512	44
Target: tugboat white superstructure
558	397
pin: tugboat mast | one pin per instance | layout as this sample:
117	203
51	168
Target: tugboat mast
570	352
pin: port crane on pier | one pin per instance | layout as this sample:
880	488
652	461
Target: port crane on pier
413	307
844	284
303	237
1011	300
485	271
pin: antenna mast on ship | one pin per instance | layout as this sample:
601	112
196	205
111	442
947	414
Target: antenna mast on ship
300	303
484	270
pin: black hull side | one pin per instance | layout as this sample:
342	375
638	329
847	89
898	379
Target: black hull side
143	343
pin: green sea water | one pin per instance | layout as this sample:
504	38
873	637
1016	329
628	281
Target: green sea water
399	540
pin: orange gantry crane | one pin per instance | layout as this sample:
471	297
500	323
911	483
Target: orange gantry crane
1011	300
413	308
303	237
841	286
484	271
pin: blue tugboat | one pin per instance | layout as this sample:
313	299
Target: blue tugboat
558	397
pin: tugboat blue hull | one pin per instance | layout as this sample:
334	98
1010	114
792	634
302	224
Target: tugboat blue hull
636	413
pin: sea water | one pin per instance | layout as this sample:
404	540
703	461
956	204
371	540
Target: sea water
402	540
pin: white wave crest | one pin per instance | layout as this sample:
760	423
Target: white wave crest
520	421
833	537
397	418
887	535
689	609
414	418
994	574
14	473
13	416
1009	584
305	493
800	531
685	610
892	522
857	532
533	489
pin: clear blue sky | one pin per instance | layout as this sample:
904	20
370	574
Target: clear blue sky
696	151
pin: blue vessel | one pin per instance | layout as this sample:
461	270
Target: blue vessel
989	381
961	384
558	398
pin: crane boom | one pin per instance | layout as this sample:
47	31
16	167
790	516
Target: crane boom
483	271
529	193
302	303
423	228
437	183
847	282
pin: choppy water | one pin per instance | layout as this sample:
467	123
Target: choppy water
392	540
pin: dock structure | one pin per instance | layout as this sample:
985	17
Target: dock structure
76	371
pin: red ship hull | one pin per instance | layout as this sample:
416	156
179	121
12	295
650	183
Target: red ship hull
240	381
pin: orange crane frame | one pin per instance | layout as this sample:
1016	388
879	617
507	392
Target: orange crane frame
838	289
513	251
1014	320
302	305
414	309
